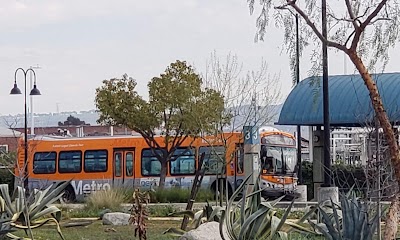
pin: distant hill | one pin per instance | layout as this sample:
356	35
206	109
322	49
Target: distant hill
49	119
91	116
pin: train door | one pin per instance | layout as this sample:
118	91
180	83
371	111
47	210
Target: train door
123	167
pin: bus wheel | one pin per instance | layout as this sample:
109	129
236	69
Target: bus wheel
69	195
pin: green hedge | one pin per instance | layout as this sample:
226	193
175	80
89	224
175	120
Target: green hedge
179	195
344	177
7	177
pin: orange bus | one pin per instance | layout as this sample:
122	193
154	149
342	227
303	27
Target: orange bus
278	164
99	163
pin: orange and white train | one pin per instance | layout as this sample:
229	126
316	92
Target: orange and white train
96	163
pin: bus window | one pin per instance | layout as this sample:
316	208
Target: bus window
290	158
44	162
150	164
70	162
95	161
214	159
129	164
117	164
275	153
183	161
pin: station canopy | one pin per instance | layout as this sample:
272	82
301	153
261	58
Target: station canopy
349	100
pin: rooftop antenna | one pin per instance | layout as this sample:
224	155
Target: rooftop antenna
58	107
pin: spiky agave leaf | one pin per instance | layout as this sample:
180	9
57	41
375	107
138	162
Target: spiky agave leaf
52	195
322	229
7	199
247	230
188	213
5	221
36	207
39	223
291	225
257	219
228	218
351	220
175	232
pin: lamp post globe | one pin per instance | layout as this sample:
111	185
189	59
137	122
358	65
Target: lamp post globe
35	91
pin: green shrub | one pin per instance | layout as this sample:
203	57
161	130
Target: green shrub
344	177
204	195
292	215
106	199
68	213
7	177
161	210
179	195
307	174
172	195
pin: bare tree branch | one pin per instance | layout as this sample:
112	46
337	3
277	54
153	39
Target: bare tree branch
314	28
351	14
364	24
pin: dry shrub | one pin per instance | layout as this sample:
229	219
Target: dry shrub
106	199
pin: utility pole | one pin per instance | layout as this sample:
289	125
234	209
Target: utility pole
325	93
31	100
300	175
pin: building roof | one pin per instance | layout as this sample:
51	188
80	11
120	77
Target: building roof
6	132
349	101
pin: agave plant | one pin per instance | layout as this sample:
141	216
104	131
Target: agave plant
350	220
5	220
250	218
207	214
33	211
5	227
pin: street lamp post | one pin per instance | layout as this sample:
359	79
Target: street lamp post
31	100
33	92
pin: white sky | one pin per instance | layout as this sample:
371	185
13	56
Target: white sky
78	44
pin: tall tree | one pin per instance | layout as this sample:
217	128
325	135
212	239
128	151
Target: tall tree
364	31
250	96
249	99
71	121
177	105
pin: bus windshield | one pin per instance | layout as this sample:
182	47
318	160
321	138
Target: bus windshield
279	159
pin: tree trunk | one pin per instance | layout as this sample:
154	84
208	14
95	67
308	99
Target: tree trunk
392	219
380	112
198	179
163	174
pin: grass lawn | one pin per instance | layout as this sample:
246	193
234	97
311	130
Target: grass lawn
97	231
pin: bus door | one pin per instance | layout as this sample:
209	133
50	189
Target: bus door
239	165
123	167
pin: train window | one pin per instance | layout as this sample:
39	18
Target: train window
95	161
117	164
214	159
129	164
44	162
70	162
183	161
151	166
